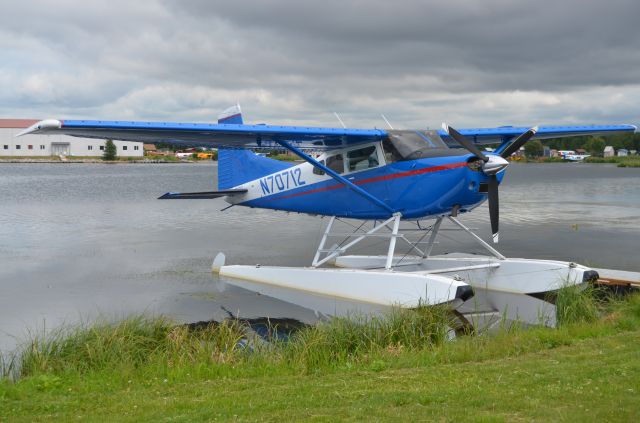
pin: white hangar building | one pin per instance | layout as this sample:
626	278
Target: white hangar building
55	145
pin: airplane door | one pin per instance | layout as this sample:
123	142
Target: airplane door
368	158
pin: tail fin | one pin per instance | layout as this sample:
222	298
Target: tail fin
231	115
235	167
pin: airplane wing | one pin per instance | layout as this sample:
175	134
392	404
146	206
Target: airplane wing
251	136
506	133
210	135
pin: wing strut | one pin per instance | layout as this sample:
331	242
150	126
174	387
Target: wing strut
337	177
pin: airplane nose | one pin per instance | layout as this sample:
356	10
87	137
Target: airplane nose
494	165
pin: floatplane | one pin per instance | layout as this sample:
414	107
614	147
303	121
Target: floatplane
571	156
379	178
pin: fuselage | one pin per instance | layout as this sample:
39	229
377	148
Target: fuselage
427	186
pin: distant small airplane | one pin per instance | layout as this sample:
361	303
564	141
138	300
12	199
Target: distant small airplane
571	156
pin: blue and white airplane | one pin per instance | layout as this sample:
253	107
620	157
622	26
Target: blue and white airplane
369	174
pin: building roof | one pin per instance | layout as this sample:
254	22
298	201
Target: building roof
17	123
149	147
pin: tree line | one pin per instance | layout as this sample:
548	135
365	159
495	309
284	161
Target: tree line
593	145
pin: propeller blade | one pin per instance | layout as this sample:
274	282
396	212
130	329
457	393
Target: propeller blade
464	142
519	142
494	207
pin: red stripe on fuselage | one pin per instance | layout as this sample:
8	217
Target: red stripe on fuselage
378	179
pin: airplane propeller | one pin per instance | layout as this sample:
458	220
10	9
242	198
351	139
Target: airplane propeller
492	164
465	142
519	142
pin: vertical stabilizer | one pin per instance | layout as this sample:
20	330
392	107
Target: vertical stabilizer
231	115
237	166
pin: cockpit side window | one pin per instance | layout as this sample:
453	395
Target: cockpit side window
391	153
362	158
335	163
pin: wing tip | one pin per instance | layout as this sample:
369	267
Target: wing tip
43	125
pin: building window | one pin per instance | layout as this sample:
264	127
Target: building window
135	147
42	147
124	147
30	147
89	147
6	147
17	146
102	147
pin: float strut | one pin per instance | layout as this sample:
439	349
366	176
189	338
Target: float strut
358	237
477	238
392	241
323	241
432	238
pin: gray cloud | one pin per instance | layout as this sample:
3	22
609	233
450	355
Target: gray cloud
471	63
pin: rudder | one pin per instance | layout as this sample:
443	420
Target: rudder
235	167
232	115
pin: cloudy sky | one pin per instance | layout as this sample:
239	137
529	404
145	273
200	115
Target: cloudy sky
470	63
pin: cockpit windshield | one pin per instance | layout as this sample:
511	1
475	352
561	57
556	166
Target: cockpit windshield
412	145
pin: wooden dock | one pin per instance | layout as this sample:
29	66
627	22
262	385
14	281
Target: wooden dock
620	278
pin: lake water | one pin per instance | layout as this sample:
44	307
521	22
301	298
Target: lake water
79	241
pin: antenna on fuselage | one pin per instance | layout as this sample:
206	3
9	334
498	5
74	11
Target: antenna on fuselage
340	120
385	119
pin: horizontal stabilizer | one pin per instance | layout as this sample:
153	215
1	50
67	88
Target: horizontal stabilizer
200	195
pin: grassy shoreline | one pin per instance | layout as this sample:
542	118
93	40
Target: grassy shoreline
590	380
85	159
396	366
626	161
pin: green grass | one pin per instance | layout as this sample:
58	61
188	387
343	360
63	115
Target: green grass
627	161
285	157
386	368
171	159
576	304
155	343
551	160
55	158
